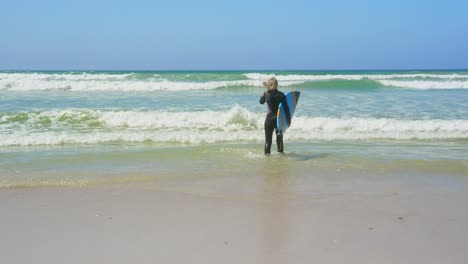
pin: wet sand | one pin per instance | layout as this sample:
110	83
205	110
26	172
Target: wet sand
328	218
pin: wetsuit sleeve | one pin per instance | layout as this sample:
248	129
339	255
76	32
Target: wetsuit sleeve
262	99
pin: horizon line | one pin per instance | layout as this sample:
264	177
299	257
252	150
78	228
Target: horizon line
226	70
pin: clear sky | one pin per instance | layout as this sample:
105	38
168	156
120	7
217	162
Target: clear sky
230	35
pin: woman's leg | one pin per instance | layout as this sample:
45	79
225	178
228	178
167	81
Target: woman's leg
268	136
279	143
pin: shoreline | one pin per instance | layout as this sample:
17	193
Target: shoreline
93	166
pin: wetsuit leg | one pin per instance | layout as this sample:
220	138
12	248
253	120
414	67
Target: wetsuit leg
279	143
269	127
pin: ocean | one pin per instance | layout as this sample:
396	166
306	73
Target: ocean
68	128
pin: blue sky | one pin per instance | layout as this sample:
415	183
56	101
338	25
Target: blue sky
224	35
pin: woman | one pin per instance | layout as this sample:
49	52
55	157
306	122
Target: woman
273	98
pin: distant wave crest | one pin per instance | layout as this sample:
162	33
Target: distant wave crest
113	82
420	81
89	81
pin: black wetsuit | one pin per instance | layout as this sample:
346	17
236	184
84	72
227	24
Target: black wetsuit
273	98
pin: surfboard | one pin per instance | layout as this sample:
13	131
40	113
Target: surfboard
286	112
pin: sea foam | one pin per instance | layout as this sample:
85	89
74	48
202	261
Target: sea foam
410	81
183	82
83	126
112	82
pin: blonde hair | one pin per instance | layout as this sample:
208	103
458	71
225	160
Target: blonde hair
272	83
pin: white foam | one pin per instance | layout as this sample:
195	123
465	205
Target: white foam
237	118
74	126
65	76
27	85
129	82
326	77
425	85
375	128
110	82
443	81
56	138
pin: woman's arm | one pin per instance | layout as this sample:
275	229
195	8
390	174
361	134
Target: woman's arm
262	98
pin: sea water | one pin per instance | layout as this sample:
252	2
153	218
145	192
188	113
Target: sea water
86	127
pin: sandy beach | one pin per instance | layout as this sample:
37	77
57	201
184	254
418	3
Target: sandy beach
139	132
270	218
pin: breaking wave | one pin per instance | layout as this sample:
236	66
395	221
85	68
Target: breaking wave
116	82
82	126
422	81
89	81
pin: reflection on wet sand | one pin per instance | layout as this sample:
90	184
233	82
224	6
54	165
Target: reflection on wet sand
276	209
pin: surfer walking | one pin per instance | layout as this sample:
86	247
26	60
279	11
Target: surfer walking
273	98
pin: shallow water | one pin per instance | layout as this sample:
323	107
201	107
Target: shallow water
91	165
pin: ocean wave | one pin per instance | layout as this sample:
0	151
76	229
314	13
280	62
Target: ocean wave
102	82
374	128
28	85
352	77
426	85
88	81
76	126
84	76
237	118
410	81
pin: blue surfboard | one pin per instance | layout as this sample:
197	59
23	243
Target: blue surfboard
286	112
